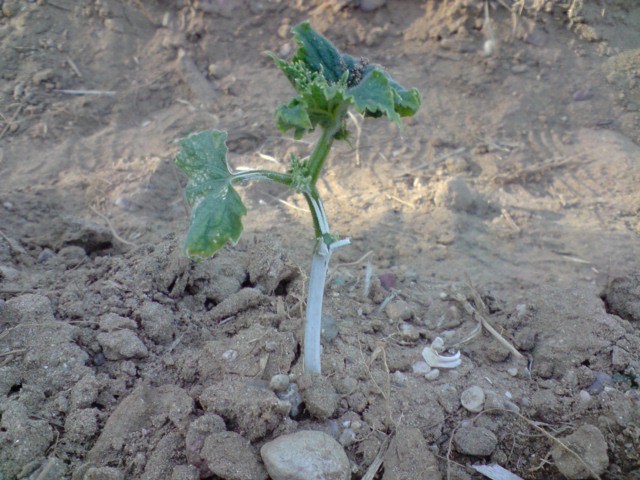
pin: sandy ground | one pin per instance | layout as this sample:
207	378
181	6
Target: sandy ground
511	198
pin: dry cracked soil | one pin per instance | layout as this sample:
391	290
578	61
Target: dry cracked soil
509	202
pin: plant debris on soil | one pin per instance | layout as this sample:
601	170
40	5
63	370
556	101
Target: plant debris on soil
502	224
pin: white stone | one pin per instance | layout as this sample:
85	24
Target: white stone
472	399
304	455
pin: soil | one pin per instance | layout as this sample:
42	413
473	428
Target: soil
511	198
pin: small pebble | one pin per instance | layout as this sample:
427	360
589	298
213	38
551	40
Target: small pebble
347	437
582	95
279	382
398	377
387	280
421	368
472	399
585	397
475	441
432	375
45	255
408	332
42	76
602	380
230	355
8	206
398	311
513	371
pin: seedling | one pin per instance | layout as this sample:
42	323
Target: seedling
327	84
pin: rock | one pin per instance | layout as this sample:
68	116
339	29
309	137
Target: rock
454	194
588	442
157	322
230	456
347	437
121	344
472	399
432	375
279	382
475	441
398	311
42	76
305	455
318	395
408	333
45	255
409	458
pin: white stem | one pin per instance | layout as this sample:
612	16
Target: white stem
313	323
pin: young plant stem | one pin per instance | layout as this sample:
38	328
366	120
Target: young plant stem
323	145
313	320
325	244
246	175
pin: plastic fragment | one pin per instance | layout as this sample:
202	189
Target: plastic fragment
431	355
495	472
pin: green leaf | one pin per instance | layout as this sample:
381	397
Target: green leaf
373	96
317	53
324	79
293	117
216	207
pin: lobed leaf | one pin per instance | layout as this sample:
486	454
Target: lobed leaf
216	207
323	78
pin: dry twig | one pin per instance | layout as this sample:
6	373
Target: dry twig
482	321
